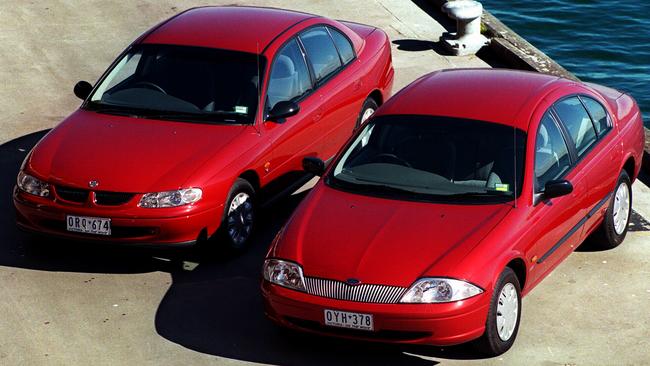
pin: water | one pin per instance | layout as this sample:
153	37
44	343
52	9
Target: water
601	41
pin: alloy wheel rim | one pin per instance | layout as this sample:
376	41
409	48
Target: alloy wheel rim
507	311
366	114
240	218
621	210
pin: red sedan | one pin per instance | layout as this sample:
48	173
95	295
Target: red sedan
197	120
455	200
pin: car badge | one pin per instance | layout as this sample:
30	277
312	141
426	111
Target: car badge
93	184
352	281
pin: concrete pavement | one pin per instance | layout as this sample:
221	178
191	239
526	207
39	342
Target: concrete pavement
66	304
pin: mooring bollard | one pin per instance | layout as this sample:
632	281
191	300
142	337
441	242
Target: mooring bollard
468	38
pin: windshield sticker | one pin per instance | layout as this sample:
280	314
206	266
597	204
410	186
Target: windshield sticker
241	109
502	187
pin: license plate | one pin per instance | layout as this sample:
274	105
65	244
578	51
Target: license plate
89	225
344	319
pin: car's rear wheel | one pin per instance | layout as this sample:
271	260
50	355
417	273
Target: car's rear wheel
239	215
504	314
367	110
614	227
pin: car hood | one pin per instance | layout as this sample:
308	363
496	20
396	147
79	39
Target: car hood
338	235
126	154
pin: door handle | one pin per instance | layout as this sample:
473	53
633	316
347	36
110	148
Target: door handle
357	85
318	115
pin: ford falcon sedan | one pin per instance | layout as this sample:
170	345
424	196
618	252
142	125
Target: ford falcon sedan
453	201
196	121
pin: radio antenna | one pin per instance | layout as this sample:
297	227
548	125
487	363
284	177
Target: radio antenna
516	182
260	112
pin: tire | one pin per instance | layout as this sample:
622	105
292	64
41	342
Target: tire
612	231
238	221
499	337
367	109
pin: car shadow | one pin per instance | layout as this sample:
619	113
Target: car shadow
213	304
216	308
19	249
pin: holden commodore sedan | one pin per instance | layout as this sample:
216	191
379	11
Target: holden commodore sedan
455	200
199	120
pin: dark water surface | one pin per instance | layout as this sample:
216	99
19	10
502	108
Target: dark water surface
606	42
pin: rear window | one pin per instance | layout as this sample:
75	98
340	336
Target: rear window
343	45
598	113
321	52
578	122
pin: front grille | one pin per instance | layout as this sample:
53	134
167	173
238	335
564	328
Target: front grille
101	198
112	198
72	194
379	294
383	334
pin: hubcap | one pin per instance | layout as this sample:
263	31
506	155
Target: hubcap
507	310
366	114
240	218
621	208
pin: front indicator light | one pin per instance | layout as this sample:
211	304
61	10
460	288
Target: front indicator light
284	273
32	185
439	290
175	198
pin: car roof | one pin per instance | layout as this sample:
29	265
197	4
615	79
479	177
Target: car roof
237	28
493	95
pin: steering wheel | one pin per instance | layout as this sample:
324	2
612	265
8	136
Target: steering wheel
387	157
150	85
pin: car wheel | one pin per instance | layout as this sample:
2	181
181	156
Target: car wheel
239	215
504	313
369	107
614	227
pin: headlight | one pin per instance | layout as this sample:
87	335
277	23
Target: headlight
435	290
32	185
171	198
284	273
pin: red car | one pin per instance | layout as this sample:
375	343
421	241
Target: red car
197	120
455	200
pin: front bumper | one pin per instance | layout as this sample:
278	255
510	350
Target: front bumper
128	224
432	324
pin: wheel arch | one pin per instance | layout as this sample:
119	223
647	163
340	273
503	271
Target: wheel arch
251	177
518	266
377	96
630	167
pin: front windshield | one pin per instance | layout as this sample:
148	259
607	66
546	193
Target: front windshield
436	159
182	83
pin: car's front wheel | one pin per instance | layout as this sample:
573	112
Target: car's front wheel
239	215
504	314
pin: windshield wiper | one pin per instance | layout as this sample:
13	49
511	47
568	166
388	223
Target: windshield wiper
479	194
219	117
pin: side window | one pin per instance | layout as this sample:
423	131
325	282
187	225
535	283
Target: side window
578	122
598	113
343	45
321	52
551	153
289	75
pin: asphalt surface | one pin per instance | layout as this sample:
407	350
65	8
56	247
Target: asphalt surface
79	304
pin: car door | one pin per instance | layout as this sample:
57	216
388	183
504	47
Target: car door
329	53
602	164
557	221
297	136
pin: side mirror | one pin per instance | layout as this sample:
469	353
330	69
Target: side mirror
313	165
282	110
82	90
557	188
